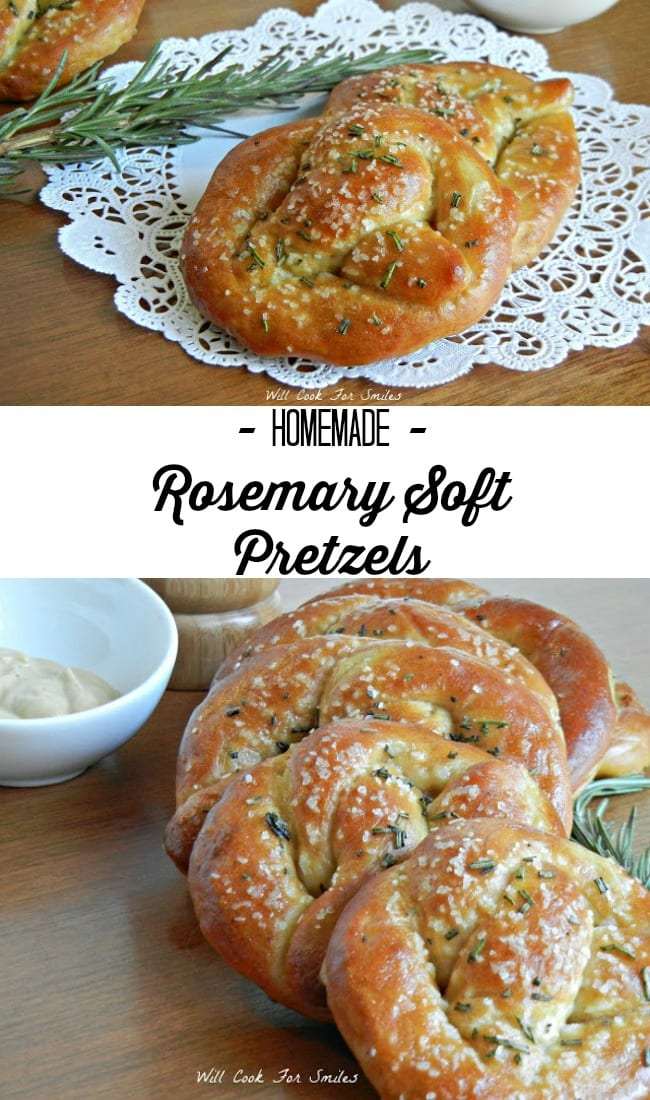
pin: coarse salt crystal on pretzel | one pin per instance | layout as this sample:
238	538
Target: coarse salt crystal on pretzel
35	34
278	696
522	127
341	239
293	838
495	962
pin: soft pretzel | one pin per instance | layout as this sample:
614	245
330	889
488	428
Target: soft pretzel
522	127
282	693
35	34
293	838
496	962
351	239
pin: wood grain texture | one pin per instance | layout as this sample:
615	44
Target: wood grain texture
67	344
108	987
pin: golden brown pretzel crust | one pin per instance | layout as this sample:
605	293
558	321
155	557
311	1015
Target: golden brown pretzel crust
342	239
282	693
522	127
34	35
404	618
293	838
496	962
573	666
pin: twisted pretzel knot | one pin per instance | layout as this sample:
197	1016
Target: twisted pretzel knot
522	127
495	962
34	35
343	238
282	693
292	839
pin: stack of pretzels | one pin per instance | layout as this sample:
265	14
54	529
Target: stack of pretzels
391	220
373	809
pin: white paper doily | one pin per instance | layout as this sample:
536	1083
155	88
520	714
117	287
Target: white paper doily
591	286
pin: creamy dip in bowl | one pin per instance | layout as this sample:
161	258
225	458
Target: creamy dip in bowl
123	637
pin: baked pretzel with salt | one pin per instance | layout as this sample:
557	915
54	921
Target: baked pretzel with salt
522	127
294	837
36	34
496	962
349	239
281	694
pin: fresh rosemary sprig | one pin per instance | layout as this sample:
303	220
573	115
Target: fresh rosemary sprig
91	117
591	830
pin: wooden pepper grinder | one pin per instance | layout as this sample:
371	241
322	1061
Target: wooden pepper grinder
213	616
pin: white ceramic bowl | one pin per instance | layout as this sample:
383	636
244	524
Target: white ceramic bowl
120	630
539	16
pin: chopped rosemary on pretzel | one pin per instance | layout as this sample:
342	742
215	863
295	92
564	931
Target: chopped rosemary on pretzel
90	118
277	825
484	866
477	949
622	948
388	274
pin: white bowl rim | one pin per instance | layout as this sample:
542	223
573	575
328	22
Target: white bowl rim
530	12
123	700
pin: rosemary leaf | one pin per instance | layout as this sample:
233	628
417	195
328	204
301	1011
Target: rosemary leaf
92	118
591	830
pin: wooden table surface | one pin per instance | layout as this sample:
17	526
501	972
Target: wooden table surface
108	989
63	342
